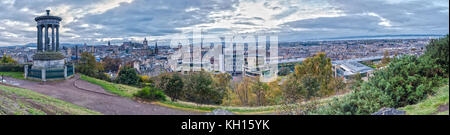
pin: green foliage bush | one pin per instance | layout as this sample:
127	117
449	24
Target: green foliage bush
7	59
11	67
151	93
365	101
128	76
312	78
439	50
199	88
174	87
407	80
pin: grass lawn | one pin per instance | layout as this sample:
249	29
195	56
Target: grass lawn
21	101
208	108
17	75
430	105
118	89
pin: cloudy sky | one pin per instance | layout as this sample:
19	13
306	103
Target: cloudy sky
98	21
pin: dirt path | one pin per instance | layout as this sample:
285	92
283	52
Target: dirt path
94	97
443	108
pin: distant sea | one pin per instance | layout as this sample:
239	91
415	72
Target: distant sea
418	36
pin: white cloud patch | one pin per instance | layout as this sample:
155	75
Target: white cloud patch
383	21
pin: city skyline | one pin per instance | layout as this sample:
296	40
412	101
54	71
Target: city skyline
133	20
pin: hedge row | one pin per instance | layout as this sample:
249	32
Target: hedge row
11	67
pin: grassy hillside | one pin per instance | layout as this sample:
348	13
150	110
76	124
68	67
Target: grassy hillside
118	89
128	91
431	105
19	101
17	75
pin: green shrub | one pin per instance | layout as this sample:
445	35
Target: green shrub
407	80
365	101
174	87
102	76
199	88
7	59
439	50
11	67
151	93
129	76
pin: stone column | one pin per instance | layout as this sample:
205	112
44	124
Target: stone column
46	37
38	38
57	37
43	75
65	72
53	37
26	72
41	44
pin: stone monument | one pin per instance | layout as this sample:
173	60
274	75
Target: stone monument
48	62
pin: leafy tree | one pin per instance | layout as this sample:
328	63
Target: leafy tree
6	59
386	59
174	87
222	84
292	89
89	66
284	71
128	75
337	84
274	94
199	88
311	78
145	79
252	92
311	87
260	89
162	80
243	91
111	64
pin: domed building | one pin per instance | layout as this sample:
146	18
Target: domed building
48	62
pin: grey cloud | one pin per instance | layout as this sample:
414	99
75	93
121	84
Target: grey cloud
146	18
165	17
412	17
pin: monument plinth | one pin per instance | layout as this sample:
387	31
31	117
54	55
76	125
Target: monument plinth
48	62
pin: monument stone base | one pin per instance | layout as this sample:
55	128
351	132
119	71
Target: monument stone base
49	66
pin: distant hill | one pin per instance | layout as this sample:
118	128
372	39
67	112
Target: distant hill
299	38
405	36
